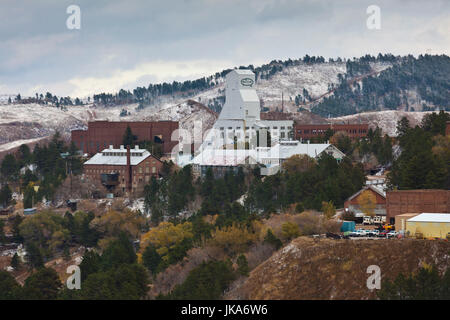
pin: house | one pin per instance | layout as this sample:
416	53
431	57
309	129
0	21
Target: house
352	204
122	170
31	167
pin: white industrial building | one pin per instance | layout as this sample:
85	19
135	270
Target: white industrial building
240	120
239	136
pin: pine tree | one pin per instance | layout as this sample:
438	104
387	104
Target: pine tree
242	263
128	138
15	262
34	256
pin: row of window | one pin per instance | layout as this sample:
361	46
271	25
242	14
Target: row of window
323	131
121	171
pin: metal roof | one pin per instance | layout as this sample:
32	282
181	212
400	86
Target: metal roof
431	217
118	157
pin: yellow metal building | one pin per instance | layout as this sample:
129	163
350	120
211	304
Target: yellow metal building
429	225
400	220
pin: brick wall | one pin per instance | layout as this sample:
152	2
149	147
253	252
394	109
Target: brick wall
308	131
416	201
101	134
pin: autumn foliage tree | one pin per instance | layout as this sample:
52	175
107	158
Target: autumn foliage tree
367	202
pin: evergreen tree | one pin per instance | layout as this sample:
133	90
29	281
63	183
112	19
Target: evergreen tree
15	262
5	195
128	138
242	263
151	259
9	288
34	256
44	284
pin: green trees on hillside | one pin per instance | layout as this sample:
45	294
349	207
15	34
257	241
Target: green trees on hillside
326	181
206	282
425	284
427	74
425	157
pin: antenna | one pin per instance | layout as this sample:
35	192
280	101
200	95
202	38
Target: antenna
282	101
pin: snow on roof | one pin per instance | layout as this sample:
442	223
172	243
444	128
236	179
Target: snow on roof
118	157
376	189
287	149
431	217
243	71
221	157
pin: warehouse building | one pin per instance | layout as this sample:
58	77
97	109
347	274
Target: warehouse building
416	201
429	225
352	204
310	131
101	134
400	221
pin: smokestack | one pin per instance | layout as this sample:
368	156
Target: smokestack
128	170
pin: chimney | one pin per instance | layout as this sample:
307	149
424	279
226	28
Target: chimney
128	171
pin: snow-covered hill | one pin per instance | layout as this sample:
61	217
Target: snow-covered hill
25	122
386	120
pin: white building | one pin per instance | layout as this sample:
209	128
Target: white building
239	136
239	120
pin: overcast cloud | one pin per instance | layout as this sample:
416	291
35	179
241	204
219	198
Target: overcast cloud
123	44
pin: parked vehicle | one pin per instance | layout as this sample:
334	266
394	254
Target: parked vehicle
374	233
392	234
383	234
333	235
377	220
367	220
361	233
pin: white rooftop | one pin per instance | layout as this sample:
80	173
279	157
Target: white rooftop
431	217
286	149
223	157
118	157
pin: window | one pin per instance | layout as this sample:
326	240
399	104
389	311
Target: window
153	169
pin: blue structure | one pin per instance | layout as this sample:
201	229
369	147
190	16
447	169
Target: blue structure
348	226
29	211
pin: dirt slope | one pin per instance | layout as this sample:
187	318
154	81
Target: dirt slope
336	269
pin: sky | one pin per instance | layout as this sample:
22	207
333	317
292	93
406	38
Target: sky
125	44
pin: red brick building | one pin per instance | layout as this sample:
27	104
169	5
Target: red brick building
122	170
308	131
416	201
101	134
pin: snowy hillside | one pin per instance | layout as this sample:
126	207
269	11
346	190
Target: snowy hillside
386	120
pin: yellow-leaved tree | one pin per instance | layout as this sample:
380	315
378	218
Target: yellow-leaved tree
328	209
166	236
233	239
367	202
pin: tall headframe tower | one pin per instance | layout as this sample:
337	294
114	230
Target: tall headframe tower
242	102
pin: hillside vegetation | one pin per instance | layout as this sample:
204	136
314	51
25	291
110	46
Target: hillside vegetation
337	269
